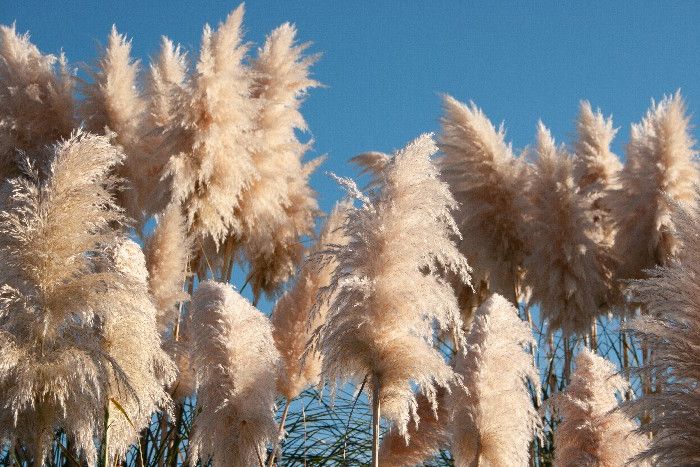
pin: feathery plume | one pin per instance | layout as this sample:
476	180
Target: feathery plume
167	253
212	164
492	418
387	291
426	437
36	100
487	181
292	320
279	207
592	432
236	364
167	88
569	273
76	321
167	81
114	106
671	294
660	167
596	168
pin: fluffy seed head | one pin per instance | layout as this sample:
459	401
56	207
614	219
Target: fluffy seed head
236	366
492	417
388	295
592	432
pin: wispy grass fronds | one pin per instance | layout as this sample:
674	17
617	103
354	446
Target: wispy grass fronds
212	164
596	169
36	100
279	207
660	168
487	181
292	318
77	327
388	292
167	87
570	274
236	364
493	418
671	295
114	106
167	254
593	432
426	437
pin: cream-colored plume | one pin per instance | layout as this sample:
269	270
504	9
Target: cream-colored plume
293	322
570	274
661	168
493	418
279	207
212	162
387	293
592	433
487	182
167	253
236	364
426	437
167	87
114	106
36	101
596	169
78	330
671	295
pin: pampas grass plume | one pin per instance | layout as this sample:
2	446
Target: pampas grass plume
236	365
492	417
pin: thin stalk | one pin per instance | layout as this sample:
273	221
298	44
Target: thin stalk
567	360
376	416
105	440
173	452
594	336
280	433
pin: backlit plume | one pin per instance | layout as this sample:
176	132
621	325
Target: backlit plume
36	100
77	327
212	164
492	418
236	365
388	295
292	318
279	207
592	432
660	169
487	181
569	273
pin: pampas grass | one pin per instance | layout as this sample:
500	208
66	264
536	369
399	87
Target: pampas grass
570	274
212	164
660	169
596	168
492	417
671	295
387	294
78	329
114	106
36	100
279	207
236	365
593	432
167	255
292	318
487	181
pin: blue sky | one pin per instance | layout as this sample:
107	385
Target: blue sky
385	63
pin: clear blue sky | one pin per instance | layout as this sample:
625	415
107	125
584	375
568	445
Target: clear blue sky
386	62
